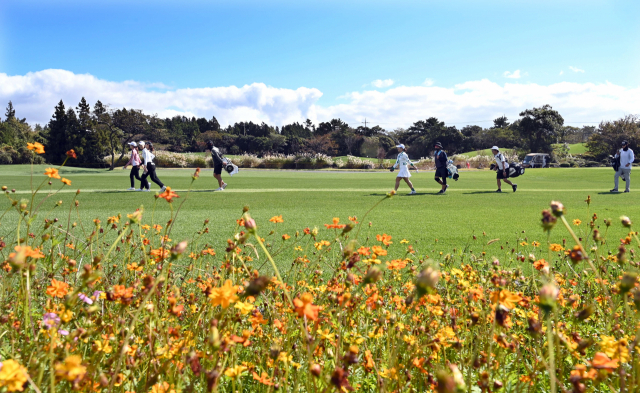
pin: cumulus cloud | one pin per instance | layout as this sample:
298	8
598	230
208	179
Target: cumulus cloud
513	75
428	82
382	83
484	100
35	94
576	69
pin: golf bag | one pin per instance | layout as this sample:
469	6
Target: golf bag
515	169
230	167
615	164
453	171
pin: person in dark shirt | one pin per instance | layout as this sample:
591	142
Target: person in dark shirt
218	162
440	158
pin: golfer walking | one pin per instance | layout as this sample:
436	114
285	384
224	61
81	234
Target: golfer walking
626	160
503	169
149	168
440	158
134	161
403	163
218	162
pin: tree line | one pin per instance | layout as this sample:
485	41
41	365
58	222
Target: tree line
98	132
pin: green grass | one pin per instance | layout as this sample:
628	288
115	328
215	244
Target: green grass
485	152
576	148
433	223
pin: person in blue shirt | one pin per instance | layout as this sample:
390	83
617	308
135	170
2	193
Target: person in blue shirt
440	159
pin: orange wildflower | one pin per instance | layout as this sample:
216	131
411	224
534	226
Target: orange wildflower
384	238
276	219
506	298
66	181
209	251
305	307
57	288
168	195
225	295
335	224
36	146
28	252
263	379
71	154
286	237
379	251
540	264
396	264
369	364
52	173
364	251
603	362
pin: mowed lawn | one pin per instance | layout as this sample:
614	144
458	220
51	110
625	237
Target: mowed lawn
431	222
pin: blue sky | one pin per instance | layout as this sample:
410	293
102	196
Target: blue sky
336	47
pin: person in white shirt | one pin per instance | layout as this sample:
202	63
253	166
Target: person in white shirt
403	163
503	169
149	168
626	160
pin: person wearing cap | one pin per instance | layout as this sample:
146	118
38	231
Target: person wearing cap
134	161
626	160
403	163
440	158
218	163
149	168
503	169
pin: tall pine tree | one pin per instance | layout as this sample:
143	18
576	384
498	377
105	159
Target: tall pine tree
10	113
57	136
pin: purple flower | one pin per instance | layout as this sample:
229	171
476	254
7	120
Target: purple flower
96	295
50	320
63	332
85	298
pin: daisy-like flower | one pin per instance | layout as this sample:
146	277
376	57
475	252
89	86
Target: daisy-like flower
276	219
52	173
57	288
168	195
50	320
36	147
12	375
66	181
577	222
225	295
305	307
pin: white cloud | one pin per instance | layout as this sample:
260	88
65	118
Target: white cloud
561	72
513	75
576	69
428	82
35	94
382	83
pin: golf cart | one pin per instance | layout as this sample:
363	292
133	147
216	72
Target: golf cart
536	160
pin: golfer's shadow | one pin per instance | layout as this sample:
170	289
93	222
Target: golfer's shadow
611	193
483	192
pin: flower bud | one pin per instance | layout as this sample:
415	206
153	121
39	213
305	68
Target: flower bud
626	221
373	275
426	281
557	208
628	282
548	296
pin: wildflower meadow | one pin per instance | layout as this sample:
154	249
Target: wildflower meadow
116	305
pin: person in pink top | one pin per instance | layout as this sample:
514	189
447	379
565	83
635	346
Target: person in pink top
134	161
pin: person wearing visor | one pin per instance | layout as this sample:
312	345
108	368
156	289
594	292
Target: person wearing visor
134	161
440	158
626	160
503	169
403	162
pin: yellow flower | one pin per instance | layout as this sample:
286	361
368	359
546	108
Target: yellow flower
577	222
66	181
106	348
12	375
615	349
72	368
66	316
234	372
162	387
224	295
245	308
506	298
52	173
556	247
36	146
391	373
404	241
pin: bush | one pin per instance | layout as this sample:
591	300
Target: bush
358	163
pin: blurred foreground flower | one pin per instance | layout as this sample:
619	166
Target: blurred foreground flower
36	147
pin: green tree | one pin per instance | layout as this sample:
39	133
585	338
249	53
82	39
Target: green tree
609	136
10	113
57	138
539	127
